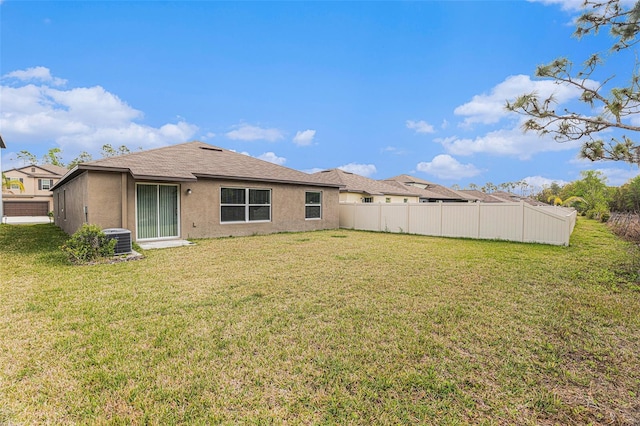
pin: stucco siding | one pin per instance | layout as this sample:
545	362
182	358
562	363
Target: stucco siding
200	210
104	199
110	199
69	201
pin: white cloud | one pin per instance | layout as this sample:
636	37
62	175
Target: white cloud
314	170
77	119
576	5
445	166
39	74
304	138
508	142
394	150
618	176
360	169
247	132
490	108
420	126
272	158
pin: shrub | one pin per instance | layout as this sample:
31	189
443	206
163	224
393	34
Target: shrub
604	217
88	244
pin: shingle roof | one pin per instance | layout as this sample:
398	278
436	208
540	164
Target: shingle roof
352	182
432	190
192	160
53	170
482	196
42	170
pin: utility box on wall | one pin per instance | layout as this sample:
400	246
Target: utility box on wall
122	237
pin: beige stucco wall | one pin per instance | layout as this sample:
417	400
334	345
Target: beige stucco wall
200	210
111	203
68	204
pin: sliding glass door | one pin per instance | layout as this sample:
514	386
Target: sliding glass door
157	211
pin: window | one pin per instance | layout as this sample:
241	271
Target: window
313	205
44	184
245	205
387	200
367	200
14	184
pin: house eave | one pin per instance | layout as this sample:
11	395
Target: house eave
262	179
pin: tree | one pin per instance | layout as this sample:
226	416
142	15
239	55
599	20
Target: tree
627	197
109	151
612	109
593	191
8	182
83	157
27	158
53	157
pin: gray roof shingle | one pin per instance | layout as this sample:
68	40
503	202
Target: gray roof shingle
192	160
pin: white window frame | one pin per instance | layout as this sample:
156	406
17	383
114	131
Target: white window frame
41	184
247	206
15	185
312	205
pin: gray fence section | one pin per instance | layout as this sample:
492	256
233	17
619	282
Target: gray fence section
495	221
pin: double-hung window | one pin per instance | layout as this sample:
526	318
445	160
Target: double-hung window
14	182
313	205
245	205
44	184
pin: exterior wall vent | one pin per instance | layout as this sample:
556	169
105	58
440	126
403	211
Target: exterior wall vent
122	237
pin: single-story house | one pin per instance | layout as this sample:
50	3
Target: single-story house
34	198
193	190
361	189
430	192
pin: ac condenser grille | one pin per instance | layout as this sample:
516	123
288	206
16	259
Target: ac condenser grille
122	237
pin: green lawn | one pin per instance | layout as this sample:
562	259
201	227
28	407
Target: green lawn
331	327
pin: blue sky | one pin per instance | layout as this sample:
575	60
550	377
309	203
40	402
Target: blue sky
377	88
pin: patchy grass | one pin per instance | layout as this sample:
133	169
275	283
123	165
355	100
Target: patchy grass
323	327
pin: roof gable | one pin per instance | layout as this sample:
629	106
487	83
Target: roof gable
352	182
192	160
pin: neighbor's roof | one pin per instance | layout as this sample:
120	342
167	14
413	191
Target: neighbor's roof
192	160
41	170
483	196
432	190
2	145
352	182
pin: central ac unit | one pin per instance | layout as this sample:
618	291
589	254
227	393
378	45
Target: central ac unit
122	237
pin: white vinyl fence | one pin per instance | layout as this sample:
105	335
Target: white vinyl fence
495	221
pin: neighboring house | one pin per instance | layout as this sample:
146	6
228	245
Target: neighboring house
193	190
430	192
501	197
360	189
36	199
2	146
482	196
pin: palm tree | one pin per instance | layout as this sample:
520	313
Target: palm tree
8	182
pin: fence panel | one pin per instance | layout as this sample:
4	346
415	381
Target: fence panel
504	221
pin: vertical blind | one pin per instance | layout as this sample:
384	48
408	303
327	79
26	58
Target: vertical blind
157	211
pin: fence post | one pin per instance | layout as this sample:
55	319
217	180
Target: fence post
478	222
522	230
